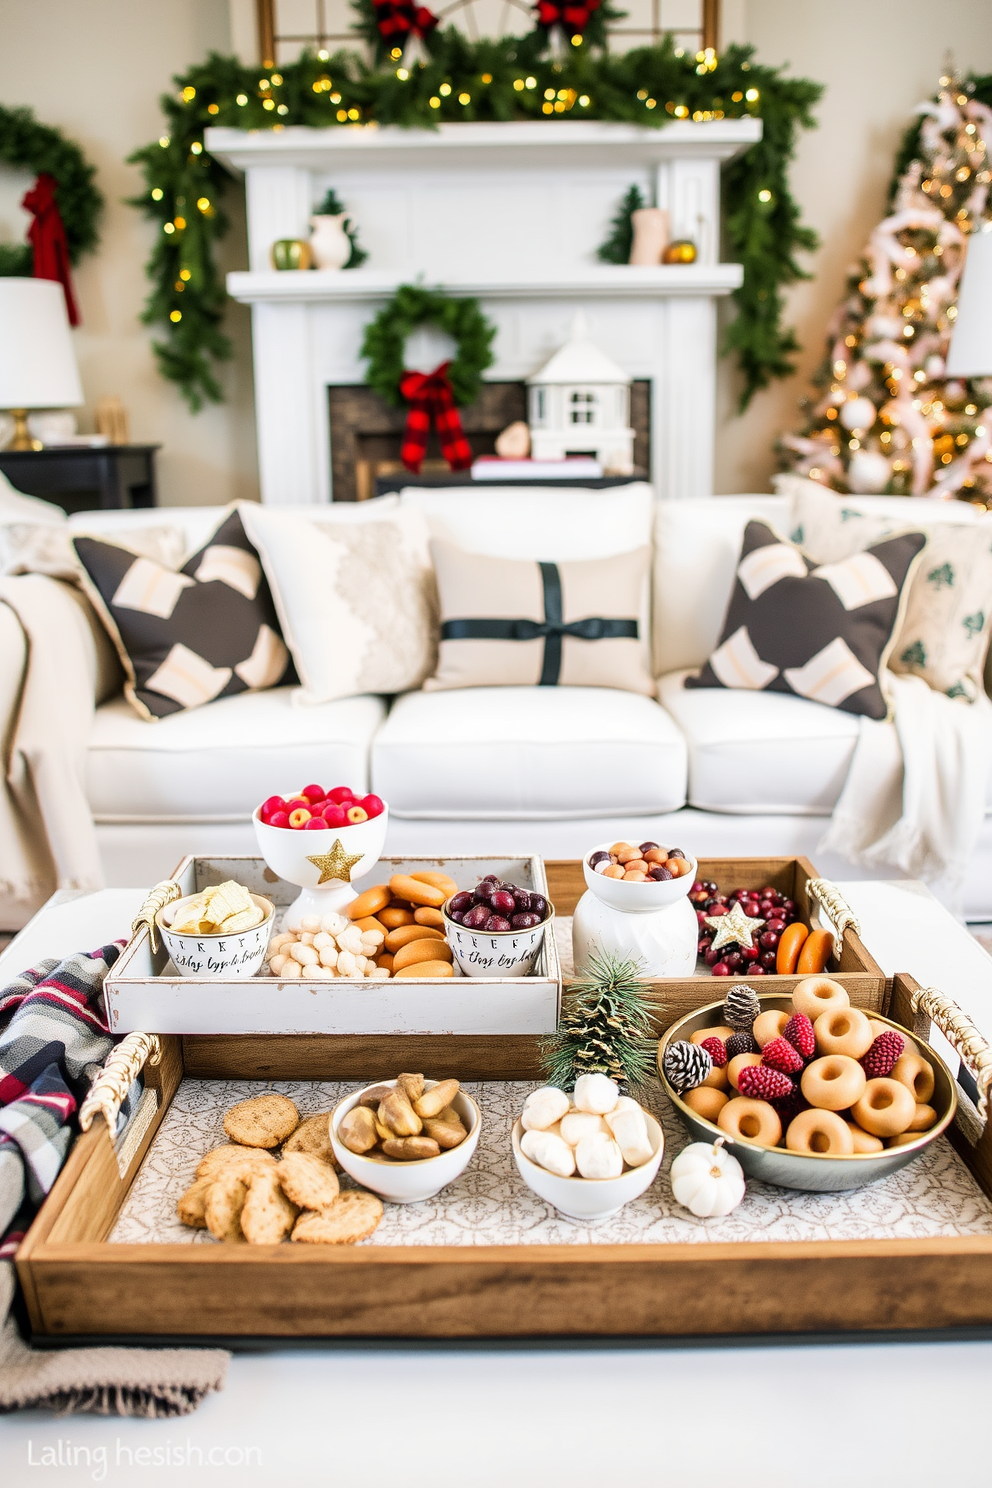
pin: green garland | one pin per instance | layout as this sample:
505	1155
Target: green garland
24	143
511	78
414	306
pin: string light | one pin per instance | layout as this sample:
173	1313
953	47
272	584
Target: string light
185	275
175	315
764	196
434	102
464	98
241	99
213	108
168	227
444	90
487	77
576	40
157	193
164	141
188	94
196	148
402	74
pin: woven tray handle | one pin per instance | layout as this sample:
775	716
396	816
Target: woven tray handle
963	1037
124	1065
832	900
162	894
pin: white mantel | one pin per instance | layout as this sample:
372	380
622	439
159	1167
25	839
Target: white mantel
512	213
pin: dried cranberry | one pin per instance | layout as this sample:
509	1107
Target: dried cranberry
711	957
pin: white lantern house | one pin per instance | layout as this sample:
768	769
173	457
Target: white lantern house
579	404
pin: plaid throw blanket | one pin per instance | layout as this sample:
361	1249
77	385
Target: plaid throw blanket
53	1040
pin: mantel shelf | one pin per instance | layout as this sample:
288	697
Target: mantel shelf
607	281
589	142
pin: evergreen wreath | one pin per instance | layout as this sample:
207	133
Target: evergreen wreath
26	144
411	306
605	1027
464	80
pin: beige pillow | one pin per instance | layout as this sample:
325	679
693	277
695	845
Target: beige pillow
943	636
509	622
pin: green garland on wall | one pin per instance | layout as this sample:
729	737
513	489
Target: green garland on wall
511	78
27	145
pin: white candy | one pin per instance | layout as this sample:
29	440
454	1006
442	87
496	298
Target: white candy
277	942
597	1093
291	969
543	1108
346	964
378	974
322	940
598	1156
310	923
334	923
630	1131
304	954
579	1124
625	1103
371	940
328	956
350	940
322	973
276	964
360	964
548	1152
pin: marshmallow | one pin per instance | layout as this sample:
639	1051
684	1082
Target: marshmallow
304	954
596	1093
328	956
350	940
334	923
598	1156
276	964
579	1124
291	968
543	1108
549	1152
346	963
630	1132
310	923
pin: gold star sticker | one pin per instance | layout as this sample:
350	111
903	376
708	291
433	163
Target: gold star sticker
733	928
335	864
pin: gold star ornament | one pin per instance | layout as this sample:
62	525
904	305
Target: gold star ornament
733	928
335	864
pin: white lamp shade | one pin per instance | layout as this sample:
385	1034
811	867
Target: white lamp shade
37	359
970	352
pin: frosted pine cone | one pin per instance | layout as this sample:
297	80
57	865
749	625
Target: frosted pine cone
686	1065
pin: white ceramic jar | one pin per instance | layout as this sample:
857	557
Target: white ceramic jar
652	923
330	246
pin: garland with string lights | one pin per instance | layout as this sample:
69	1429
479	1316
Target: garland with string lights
26	144
513	78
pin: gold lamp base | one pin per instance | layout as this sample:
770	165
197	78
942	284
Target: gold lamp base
22	439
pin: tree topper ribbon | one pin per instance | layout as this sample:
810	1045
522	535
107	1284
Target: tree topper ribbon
47	237
401	18
572	17
431	400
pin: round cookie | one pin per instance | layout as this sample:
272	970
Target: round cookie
833	1083
754	1120
191	1207
769	1025
916	1073
268	1215
886	1108
864	1141
312	1135
222	1211
352	1216
262	1121
233	1158
306	1181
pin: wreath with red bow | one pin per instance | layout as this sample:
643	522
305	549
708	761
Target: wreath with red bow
432	399
64	202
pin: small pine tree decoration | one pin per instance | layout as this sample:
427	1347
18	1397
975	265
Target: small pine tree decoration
605	1028
332	206
615	247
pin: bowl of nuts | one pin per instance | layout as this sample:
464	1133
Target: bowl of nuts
638	878
407	1138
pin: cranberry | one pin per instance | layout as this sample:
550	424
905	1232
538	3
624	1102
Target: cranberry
539	905
700	917
767	960
718	898
497	923
712	958
476	917
278	819
789	906
525	921
720	968
698	896
522	900
658	873
704	943
776	926
769	892
749	953
502	902
733	959
716	910
768	940
756	971
457	915
709	884
766	909
459	902
341	794
374	805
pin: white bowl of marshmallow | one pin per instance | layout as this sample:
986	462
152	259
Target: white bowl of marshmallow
590	1153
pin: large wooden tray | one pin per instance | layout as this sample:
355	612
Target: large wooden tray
81	1284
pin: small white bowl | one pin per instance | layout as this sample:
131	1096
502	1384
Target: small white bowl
591	1199
637	898
408	1182
216	954
289	853
495	953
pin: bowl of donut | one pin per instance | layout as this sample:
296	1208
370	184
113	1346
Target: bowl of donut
807	1091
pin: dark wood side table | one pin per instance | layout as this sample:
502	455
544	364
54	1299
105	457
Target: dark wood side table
79	478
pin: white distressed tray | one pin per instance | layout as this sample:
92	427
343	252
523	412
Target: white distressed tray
144	993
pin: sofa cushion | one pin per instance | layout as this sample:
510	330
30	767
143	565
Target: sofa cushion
758	753
547	523
529	753
217	763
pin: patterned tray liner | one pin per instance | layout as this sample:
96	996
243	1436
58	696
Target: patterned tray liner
490	1205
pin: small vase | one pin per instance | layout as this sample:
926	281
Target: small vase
330	245
650	226
290	254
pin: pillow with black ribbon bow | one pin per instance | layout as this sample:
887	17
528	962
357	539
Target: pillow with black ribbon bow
508	622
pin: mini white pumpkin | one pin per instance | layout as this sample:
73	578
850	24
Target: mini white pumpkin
707	1179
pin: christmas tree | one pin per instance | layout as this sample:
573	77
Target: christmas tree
604	1028
886	419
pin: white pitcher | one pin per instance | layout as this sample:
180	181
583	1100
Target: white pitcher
330	246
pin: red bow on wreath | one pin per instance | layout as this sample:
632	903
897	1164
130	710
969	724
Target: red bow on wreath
431	400
47	237
573	18
400	18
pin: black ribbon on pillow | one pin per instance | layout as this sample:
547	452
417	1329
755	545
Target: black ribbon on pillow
551	629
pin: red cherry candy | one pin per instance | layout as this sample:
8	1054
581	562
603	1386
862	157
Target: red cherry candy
279	819
272	805
334	815
341	793
313	792
297	803
315	824
374	805
299	817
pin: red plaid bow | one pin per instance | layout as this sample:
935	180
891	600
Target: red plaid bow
574	18
430	398
399	18
48	239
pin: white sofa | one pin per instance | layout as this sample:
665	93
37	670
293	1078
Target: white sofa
551	770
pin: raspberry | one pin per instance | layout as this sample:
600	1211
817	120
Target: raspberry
881	1057
742	1043
779	1054
790	1106
716	1049
761	1083
799	1032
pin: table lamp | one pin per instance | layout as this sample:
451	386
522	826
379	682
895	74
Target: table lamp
37	360
970	351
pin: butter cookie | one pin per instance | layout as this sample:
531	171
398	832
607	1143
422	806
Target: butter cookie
306	1181
263	1121
268	1215
352	1216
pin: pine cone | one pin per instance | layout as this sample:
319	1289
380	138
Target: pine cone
740	1008
742	1043
686	1065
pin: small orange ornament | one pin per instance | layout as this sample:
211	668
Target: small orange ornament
681	251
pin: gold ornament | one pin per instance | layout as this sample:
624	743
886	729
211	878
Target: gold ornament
733	928
335	864
681	251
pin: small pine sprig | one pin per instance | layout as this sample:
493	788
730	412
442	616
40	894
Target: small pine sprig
605	1027
615	247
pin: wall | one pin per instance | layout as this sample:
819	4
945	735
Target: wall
96	70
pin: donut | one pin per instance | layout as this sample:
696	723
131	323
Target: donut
717	1078
833	1083
923	1120
885	1108
739	1062
846	1031
769	1025
864	1141
911	1070
877	1027
754	1120
721	1032
705	1101
822	1132
901	1139
818	995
